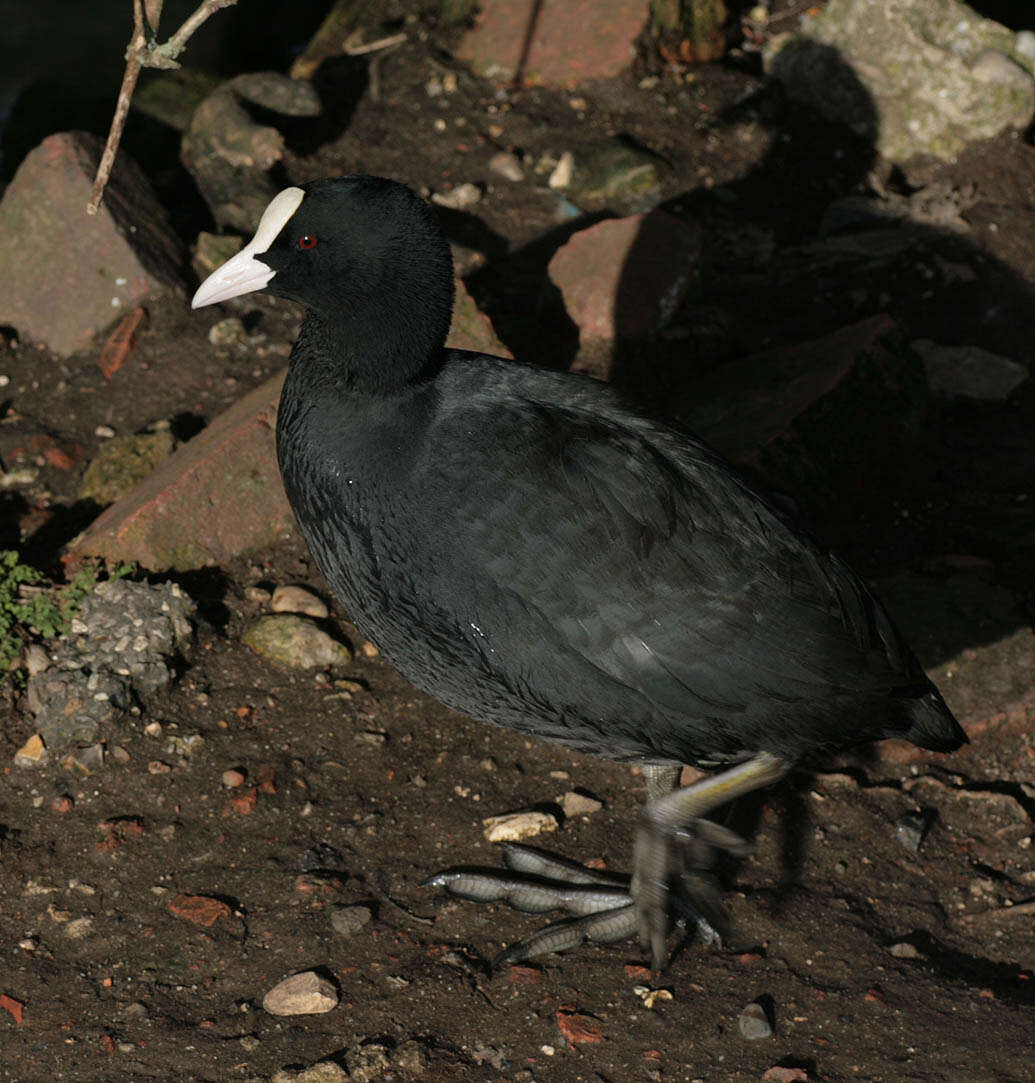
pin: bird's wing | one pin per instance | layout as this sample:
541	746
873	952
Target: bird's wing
643	554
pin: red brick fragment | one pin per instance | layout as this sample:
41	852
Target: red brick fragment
266	780
245	804
525	975
15	1007
120	344
59	456
199	909
777	1074
575	1027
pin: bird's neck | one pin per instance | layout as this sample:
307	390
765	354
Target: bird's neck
385	336
378	358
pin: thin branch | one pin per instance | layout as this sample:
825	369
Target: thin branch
373	46
144	52
129	82
174	46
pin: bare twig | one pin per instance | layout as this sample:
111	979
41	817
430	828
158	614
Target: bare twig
129	82
373	46
175	45
1023	909
144	51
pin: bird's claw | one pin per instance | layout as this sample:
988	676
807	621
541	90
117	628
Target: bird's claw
672	872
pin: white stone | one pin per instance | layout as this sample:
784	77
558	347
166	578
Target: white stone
514	826
307	993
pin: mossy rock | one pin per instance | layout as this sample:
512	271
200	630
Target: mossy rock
122	463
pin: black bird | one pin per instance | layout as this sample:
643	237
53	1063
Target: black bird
531	551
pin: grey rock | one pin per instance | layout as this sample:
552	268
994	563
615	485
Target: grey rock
918	77
122	462
172	96
99	267
969	372
368	1063
295	642
324	1072
617	173
121	644
753	1023
348	920
229	154
910	830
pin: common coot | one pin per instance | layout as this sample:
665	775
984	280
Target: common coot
531	551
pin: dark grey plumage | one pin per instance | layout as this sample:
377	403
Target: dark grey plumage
530	551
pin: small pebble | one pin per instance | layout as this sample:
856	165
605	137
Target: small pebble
459	198
910	830
79	928
290	599
374	738
562	171
32	753
105	432
232	778
753	1023
507	165
307	993
37	660
579	804
513	826
227	332
348	920
651	997
295	642
904	950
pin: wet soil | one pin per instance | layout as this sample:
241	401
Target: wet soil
873	961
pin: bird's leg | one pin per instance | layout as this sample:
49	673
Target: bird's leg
661	778
674	848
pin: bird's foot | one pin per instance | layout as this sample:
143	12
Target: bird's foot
600	903
675	850
672	872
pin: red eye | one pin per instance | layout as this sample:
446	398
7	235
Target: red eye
307	242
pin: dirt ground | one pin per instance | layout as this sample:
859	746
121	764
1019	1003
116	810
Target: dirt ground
874	962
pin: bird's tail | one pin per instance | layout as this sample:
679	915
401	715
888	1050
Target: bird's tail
933	725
